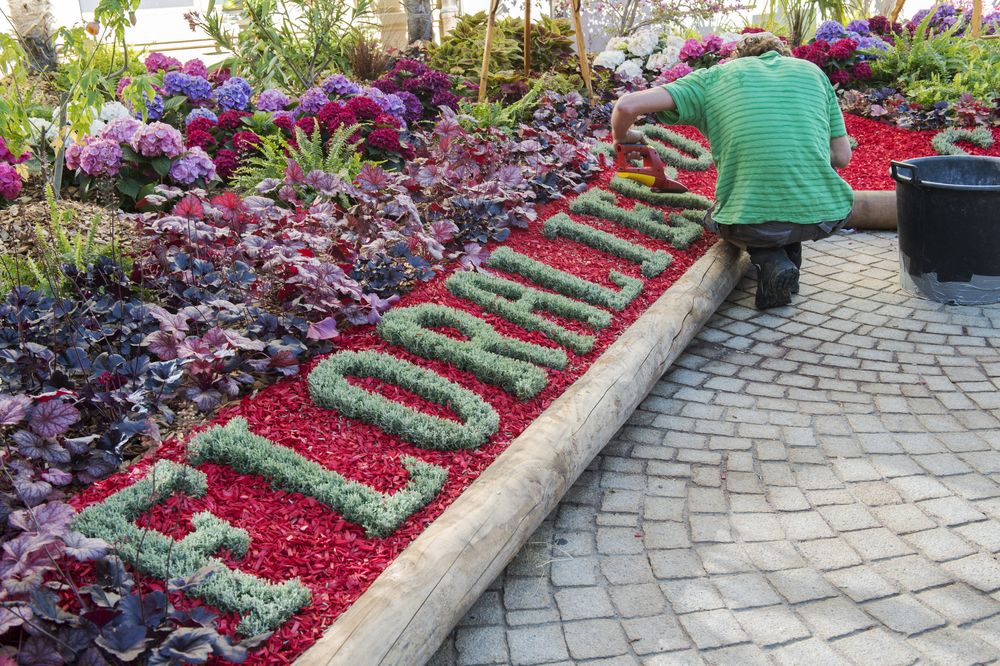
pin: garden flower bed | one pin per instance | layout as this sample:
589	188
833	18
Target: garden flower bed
333	556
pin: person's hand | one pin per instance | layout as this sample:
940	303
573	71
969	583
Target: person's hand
632	136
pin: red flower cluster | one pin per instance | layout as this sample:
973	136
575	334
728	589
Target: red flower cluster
200	125
199	138
364	108
839	60
232	120
245	142
336	115
226	163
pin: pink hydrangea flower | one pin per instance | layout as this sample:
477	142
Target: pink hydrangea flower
157	139
195	68
121	129
101	157
10	182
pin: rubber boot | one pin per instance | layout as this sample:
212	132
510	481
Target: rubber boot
794	252
776	275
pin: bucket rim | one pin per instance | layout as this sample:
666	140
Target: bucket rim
919	182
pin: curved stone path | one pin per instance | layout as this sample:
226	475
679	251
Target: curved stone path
812	485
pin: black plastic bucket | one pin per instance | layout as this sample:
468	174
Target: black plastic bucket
948	211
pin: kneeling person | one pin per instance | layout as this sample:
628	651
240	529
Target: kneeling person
777	134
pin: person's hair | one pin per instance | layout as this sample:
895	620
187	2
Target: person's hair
759	43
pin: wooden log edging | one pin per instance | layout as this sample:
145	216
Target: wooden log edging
412	606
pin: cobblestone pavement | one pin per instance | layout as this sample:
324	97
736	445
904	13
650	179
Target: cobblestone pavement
813	485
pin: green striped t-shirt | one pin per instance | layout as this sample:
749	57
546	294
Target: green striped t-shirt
769	120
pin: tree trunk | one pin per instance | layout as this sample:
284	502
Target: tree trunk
419	22
32	21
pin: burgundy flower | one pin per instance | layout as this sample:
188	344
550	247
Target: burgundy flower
839	77
231	120
200	125
364	108
386	120
285	122
245	142
335	115
307	124
220	76
862	71
226	163
199	138
842	49
385	139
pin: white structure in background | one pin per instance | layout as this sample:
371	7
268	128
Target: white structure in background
161	22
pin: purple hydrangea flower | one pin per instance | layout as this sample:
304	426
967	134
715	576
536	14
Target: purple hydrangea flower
869	43
154	109
234	94
101	157
312	101
120	129
193	165
194	88
414	107
157	139
831	31
272	100
201	113
338	84
391	104
859	26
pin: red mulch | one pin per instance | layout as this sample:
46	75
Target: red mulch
292	535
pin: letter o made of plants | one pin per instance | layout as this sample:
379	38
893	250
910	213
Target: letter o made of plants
329	388
493	358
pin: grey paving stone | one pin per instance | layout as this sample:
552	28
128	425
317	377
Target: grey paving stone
657	536
876	646
758	527
724	559
536	644
746	591
981	571
832	618
526	593
950	646
626	569
848	517
590	639
861	583
912	573
578	603
637	600
679	563
773	555
939	544
799	585
618	541
813	652
481	645
648	635
684	658
959	603
714	628
904	614
876	544
827	554
573	571
487	610
745	655
692	595
903	518
772	625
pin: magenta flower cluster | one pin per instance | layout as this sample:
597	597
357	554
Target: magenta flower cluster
156	140
10	181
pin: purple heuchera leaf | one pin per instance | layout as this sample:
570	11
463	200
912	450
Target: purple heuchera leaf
474	256
57	477
10	619
49	518
39	651
37	448
33	492
84	549
13	408
53	418
323	330
204	400
163	344
372	178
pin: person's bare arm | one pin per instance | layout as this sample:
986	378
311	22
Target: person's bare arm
631	106
840	152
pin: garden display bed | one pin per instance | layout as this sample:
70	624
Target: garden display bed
394	478
372	474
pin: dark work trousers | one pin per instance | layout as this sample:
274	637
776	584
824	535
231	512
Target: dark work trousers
771	234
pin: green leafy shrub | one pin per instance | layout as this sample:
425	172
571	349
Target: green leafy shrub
108	60
461	52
